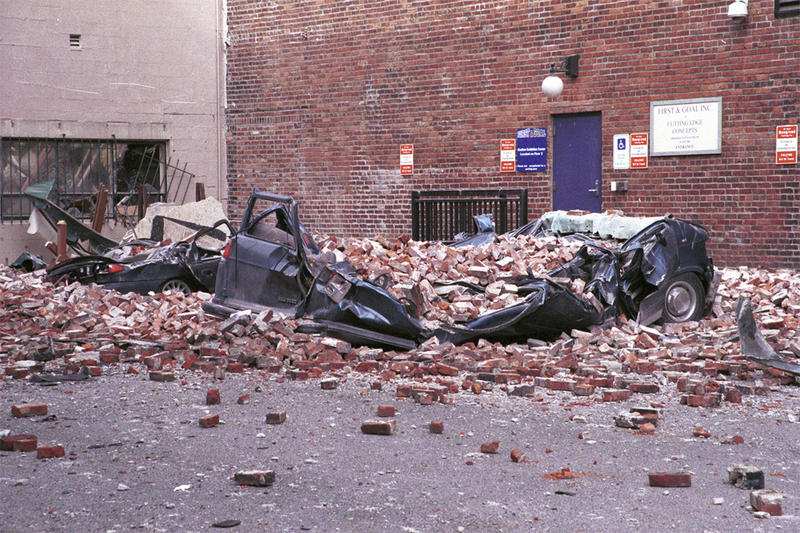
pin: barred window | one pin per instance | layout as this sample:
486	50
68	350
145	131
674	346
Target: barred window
787	8
78	168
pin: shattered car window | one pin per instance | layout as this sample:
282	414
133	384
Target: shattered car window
269	227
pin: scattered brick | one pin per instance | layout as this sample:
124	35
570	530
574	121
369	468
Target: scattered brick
244	399
367	366
31	409
767	500
670	479
255	478
583	389
329	383
643	387
49	452
378	427
18	443
212	397
276	418
647	428
702	400
235	367
517	456
490	447
700	432
733	396
626	420
619	395
446	370
746	477
436	426
297	375
209	421
109	358
152	362
509	378
386	410
736	439
161	375
522	390
564	473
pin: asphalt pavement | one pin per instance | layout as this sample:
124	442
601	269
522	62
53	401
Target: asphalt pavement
138	460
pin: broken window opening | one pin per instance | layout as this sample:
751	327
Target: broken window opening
271	226
131	173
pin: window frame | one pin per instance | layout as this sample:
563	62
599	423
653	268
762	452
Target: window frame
53	161
787	8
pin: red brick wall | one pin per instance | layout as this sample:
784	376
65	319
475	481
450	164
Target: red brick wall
322	93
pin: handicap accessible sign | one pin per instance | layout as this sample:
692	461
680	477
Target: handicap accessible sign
532	150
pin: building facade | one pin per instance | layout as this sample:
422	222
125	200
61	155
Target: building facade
123	94
322	95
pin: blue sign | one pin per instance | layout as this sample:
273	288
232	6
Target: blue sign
532	150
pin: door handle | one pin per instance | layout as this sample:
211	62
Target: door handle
596	190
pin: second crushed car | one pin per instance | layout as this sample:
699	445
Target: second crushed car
273	262
183	266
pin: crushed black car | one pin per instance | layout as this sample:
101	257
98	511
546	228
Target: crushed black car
273	262
661	273
184	266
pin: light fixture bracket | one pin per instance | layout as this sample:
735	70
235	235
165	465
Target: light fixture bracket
738	10
568	66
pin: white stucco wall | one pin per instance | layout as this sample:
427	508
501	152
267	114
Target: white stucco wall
145	70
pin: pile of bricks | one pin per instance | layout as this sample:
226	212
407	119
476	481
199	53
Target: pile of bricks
425	264
78	329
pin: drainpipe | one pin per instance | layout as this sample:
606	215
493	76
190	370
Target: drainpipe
220	33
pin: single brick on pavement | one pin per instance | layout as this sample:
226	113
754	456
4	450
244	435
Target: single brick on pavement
255	478
18	443
378	427
209	421
30	409
767	500
670	479
276	418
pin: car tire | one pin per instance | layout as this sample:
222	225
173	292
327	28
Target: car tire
684	298
176	285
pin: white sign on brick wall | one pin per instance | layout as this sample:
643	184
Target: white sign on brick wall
622	151
686	127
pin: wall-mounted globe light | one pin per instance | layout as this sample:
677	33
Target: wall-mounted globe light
552	84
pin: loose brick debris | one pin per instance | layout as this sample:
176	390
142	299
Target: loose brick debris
73	331
76	329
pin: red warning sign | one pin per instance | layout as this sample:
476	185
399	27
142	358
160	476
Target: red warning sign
508	155
786	145
639	147
406	159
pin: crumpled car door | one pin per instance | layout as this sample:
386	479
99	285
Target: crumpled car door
265	273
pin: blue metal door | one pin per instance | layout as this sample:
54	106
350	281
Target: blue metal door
577	162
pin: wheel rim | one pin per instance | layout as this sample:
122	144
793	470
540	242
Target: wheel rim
176	285
680	301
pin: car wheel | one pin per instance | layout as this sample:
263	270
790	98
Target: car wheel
684	298
176	285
